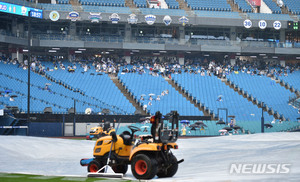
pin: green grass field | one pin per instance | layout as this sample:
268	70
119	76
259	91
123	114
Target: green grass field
4	177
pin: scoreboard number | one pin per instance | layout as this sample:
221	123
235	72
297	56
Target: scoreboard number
247	23
262	24
277	25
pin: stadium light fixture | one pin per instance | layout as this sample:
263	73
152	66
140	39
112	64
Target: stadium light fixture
52	50
25	50
206	55
56	48
253	56
81	49
275	57
78	52
238	54
297	57
262	54
163	51
135	50
188	52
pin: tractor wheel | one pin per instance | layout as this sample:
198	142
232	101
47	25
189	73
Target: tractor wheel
94	166
122	168
171	171
143	167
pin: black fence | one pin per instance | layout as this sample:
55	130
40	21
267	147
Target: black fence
83	118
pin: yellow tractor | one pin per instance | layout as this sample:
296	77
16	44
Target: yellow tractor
148	155
100	131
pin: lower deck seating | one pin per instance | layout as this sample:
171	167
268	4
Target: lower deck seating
293	6
215	95
268	91
146	85
292	79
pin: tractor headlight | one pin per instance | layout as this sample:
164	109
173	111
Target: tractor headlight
98	150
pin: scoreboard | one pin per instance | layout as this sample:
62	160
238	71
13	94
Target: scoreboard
20	10
293	25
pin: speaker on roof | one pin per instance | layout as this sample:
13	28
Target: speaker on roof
47	110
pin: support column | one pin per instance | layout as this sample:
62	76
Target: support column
128	33
20	30
14	26
181	58
18	54
72	29
282	35
181	35
282	63
70	57
127	57
232	33
232	62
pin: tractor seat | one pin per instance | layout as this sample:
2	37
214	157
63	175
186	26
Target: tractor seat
126	136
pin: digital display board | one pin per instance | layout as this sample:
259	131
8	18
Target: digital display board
20	10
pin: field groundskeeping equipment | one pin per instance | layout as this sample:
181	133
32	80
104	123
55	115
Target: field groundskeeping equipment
148	155
93	167
102	130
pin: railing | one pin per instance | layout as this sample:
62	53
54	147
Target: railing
157	40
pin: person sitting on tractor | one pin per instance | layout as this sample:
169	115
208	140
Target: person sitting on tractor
106	126
155	127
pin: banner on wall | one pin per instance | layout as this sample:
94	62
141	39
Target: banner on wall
150	19
255	2
132	19
95	17
167	20
114	18
73	16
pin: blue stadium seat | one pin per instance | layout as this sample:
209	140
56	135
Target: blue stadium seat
293	6
156	85
209	5
273	6
243	5
260	87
